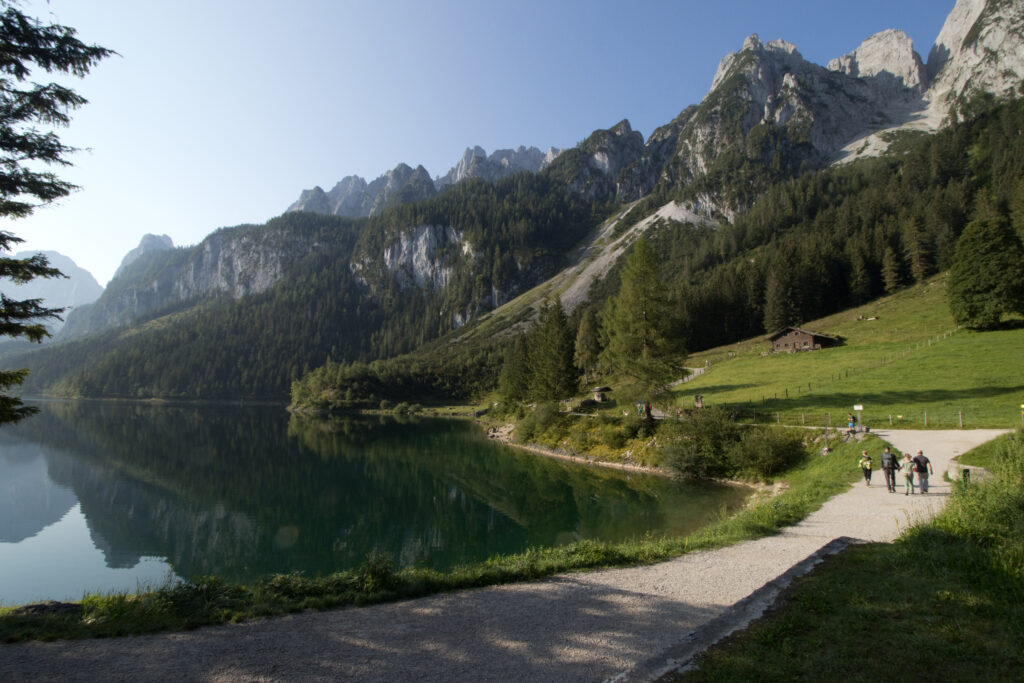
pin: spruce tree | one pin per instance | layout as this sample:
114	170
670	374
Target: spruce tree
588	345
780	294
514	380
638	324
918	249
25	152
552	373
986	279
892	275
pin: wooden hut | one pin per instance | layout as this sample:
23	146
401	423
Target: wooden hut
792	339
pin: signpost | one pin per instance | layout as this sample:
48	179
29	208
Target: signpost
860	409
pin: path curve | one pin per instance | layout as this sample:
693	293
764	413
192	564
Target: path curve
573	627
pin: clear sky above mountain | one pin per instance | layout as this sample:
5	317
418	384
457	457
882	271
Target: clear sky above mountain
220	113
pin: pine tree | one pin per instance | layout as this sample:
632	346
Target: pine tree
514	380
25	151
553	375
918	250
780	305
892	275
860	277
588	345
986	279
638	324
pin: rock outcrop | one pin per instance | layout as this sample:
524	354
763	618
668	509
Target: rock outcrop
148	245
980	49
475	163
888	61
353	197
591	169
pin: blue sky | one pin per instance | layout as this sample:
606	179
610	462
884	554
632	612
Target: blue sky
221	113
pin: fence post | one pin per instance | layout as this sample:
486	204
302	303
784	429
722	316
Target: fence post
961	419
778	419
890	419
926	418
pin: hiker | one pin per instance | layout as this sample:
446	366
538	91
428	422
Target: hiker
865	466
889	467
907	468
923	467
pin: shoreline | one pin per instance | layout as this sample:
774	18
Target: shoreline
503	435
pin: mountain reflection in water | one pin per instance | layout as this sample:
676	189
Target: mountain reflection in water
243	491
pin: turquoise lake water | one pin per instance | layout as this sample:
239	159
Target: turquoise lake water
101	496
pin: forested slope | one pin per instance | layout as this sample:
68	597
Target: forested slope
808	247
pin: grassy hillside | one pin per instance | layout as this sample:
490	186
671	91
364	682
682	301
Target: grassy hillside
903	357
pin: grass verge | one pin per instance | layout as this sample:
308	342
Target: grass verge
944	602
207	601
988	454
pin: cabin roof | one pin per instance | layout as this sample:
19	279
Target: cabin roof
786	330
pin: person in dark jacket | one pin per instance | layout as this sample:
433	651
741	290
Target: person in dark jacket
923	467
889	466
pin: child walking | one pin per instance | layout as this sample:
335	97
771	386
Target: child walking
865	467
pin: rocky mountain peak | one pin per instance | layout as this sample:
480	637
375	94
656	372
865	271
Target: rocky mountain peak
148	244
888	59
979	49
951	38
778	51
476	163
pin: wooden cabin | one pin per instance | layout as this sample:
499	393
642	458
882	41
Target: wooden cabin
792	339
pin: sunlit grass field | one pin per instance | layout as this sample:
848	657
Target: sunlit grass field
903	360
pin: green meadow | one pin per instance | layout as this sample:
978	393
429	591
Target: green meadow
903	359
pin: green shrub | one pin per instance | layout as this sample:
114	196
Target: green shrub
698	447
765	452
377	573
613	435
532	426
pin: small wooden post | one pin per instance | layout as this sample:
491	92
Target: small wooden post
778	419
803	419
926	418
961	419
890	419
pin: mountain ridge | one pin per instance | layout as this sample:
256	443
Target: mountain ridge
421	263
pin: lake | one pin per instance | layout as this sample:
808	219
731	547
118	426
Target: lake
98	496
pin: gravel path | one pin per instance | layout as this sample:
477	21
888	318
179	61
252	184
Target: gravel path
574	627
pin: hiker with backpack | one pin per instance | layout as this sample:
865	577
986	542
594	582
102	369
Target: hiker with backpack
865	467
889	466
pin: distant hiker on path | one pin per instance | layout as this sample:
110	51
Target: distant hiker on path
907	468
865	467
889	467
923	467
